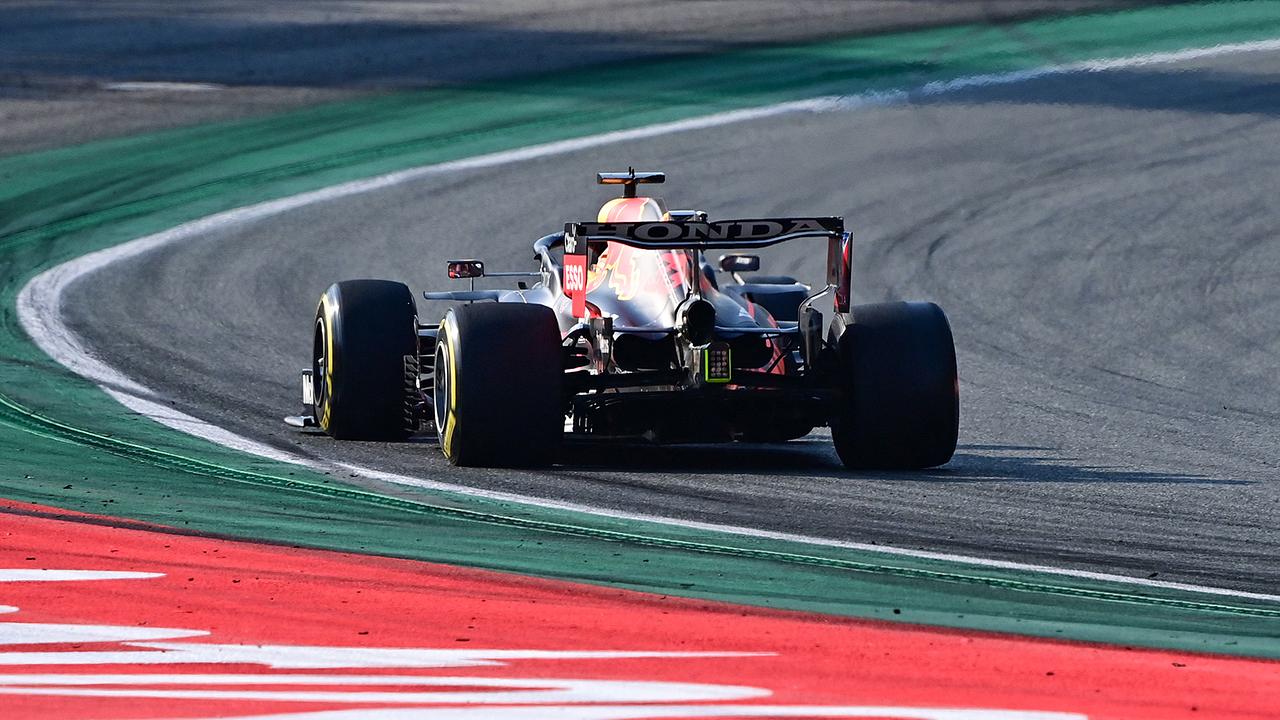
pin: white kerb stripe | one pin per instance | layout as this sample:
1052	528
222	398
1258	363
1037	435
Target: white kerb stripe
34	575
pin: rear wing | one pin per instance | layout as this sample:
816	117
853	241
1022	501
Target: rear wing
702	235
725	234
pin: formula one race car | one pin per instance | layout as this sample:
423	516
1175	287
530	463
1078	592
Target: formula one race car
629	334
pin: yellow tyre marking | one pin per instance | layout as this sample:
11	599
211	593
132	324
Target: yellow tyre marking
328	313
451	416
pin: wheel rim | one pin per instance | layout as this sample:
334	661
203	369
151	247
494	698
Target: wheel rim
441	386
319	365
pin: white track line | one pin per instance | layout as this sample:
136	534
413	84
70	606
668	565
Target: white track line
160	86
40	303
46	575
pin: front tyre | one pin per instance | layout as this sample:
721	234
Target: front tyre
902	400
498	385
363	331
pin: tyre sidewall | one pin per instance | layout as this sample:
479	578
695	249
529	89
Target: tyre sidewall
369	326
506	376
901	406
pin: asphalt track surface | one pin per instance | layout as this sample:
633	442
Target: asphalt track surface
75	70
1104	244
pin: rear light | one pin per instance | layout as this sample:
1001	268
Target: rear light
717	363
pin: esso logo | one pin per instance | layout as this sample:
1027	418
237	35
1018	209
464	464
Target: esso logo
575	278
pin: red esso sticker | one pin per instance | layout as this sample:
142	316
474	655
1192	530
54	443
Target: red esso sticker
575	277
575	282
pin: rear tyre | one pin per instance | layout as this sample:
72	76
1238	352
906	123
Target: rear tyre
902	406
363	331
498	385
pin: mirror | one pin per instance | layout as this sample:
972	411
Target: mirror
739	263
465	269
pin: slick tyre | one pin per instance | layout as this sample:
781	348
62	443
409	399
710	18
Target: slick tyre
363	331
902	406
498	385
